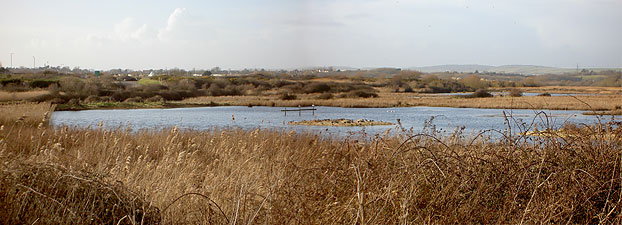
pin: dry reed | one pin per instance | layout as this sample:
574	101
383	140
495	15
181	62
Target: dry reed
234	176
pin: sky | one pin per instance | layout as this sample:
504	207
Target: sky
287	34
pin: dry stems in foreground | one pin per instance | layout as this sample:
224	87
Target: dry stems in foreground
255	177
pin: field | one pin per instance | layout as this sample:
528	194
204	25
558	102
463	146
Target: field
172	176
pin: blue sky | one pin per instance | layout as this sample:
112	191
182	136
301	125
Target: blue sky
296	33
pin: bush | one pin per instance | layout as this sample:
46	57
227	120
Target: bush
156	98
287	96
317	88
546	94
74	101
91	99
325	96
516	93
134	99
42	83
361	94
408	89
480	93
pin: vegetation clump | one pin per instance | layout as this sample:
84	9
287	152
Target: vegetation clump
515	93
480	93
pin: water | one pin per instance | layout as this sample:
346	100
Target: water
272	118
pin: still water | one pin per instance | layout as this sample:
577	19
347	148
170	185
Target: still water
202	118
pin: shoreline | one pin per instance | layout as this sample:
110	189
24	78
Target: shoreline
592	105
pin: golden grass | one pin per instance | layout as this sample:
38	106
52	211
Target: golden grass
596	102
276	177
573	89
21	96
26	113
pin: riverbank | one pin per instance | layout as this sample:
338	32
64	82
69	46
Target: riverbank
592	104
128	105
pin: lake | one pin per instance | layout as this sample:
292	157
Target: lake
272	118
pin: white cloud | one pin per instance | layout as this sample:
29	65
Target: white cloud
182	26
125	31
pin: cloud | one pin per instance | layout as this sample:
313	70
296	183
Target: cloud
182	26
125	31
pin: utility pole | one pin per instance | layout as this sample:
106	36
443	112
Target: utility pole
34	62
12	59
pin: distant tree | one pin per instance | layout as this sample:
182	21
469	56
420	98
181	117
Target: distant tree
207	73
474	82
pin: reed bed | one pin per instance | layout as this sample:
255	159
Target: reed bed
26	113
21	96
232	176
590	103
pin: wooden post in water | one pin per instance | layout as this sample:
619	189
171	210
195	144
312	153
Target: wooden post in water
299	111
285	111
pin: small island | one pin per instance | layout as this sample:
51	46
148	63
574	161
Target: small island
340	122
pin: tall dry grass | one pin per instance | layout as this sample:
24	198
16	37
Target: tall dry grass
231	176
21	96
26	113
597	102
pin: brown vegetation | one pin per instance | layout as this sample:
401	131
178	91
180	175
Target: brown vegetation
58	175
340	122
588	103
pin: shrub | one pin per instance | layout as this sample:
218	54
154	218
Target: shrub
480	93
134	99
408	89
91	99
42	83
361	94
317	88
287	96
74	101
545	94
325	96
156	98
516	93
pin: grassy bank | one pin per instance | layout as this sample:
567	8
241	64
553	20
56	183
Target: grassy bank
588	103
276	177
127	105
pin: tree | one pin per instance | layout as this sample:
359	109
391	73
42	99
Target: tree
207	73
474	82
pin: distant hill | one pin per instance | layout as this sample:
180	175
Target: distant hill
516	69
